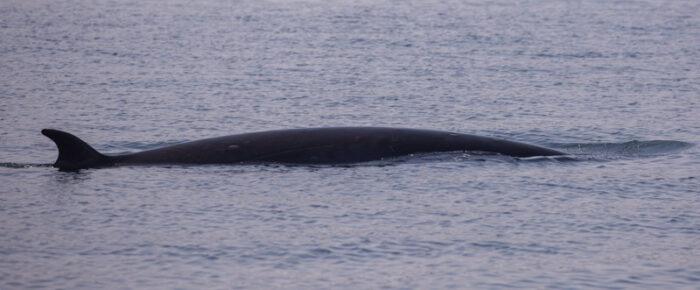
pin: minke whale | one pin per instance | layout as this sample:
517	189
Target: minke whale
330	145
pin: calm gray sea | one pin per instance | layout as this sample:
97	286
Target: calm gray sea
614	83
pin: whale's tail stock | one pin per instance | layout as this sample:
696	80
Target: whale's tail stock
73	153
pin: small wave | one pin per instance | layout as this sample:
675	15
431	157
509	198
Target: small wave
24	165
588	54
630	148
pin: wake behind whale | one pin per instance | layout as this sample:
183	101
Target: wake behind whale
331	145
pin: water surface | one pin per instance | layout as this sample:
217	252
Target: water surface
614	83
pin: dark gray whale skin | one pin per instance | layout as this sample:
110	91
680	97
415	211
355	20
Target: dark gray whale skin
332	145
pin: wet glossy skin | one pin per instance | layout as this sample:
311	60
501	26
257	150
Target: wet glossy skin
339	145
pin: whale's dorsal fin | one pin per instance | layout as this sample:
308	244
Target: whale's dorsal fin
73	153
